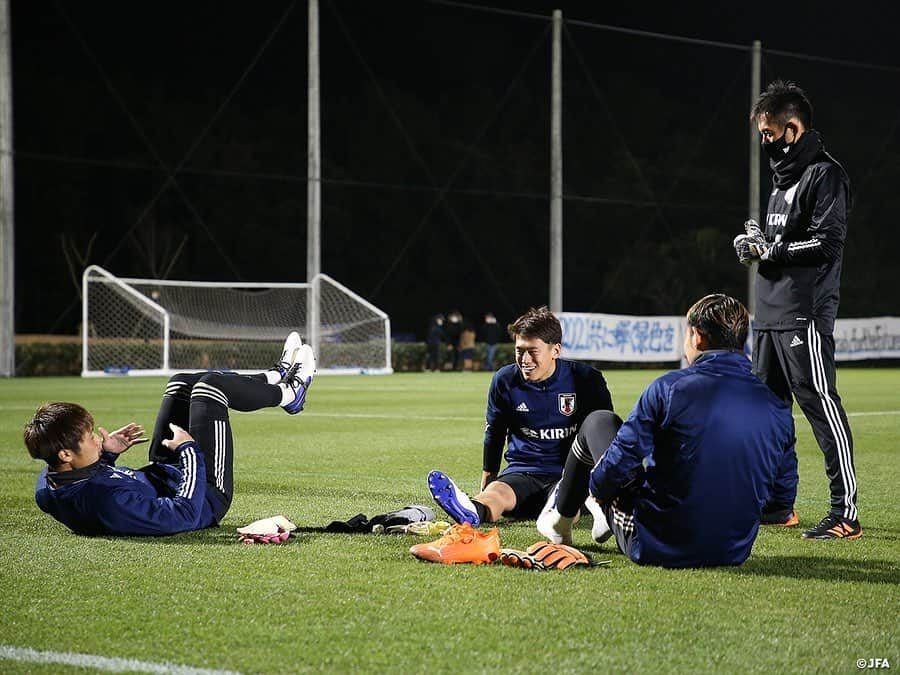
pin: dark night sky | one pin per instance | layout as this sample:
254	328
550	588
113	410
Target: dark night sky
417	96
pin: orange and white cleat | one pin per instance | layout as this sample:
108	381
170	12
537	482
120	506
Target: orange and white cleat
462	543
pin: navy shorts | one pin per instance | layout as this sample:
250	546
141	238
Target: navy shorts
531	490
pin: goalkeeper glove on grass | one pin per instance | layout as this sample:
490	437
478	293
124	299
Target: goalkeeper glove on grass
546	556
274	530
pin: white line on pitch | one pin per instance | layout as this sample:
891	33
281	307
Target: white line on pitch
118	665
873	412
439	418
394	416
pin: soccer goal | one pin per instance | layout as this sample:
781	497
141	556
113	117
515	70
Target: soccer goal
160	327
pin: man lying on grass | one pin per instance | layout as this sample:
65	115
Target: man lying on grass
188	484
684	479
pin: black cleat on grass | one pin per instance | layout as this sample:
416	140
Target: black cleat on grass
834	527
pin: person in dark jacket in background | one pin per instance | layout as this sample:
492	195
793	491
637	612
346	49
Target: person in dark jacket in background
491	334
684	479
452	332
799	251
188	484
433	343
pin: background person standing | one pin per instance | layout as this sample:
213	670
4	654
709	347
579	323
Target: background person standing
491	334
433	343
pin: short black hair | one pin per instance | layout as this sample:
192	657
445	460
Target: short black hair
781	101
722	320
56	426
539	323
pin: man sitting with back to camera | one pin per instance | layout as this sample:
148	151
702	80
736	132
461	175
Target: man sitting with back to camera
535	406
188	484
684	479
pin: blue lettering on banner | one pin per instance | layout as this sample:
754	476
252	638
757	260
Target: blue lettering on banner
617	337
621	336
866	338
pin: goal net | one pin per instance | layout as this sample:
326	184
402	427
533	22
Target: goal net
159	327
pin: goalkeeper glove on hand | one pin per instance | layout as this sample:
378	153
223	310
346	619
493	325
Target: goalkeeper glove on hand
751	227
756	240
752	245
742	248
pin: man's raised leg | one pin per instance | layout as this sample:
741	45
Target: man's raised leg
211	397
174	409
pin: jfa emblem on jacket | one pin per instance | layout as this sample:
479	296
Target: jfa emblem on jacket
567	404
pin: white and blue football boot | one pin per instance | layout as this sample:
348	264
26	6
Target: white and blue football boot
297	379
453	500
289	354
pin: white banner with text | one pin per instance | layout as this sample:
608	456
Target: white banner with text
874	338
620	337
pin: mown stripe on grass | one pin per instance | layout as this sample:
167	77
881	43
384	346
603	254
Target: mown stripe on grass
435	418
27	655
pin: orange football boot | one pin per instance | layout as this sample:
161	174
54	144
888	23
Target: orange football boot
461	544
787	518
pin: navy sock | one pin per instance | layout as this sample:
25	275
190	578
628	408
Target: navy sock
573	488
482	511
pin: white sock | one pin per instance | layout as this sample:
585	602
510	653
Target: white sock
556	527
273	376
287	394
600	531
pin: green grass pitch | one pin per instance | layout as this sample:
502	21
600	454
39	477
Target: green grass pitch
362	603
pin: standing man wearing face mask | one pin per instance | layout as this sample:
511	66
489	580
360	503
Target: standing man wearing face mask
799	250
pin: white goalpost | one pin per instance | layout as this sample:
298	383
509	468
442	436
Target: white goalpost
160	327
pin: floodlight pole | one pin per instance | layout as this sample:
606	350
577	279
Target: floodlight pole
556	184
7	232
313	181
755	88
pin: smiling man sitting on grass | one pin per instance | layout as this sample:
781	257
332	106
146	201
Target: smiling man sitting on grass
535	407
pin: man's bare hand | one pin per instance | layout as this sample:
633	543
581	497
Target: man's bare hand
120	440
180	436
487	477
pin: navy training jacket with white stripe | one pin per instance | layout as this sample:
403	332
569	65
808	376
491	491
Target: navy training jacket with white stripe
699	453
538	420
158	499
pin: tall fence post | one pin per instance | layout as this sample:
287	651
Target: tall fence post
755	87
313	181
556	184
7	226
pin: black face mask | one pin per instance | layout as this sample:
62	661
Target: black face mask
778	149
789	166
